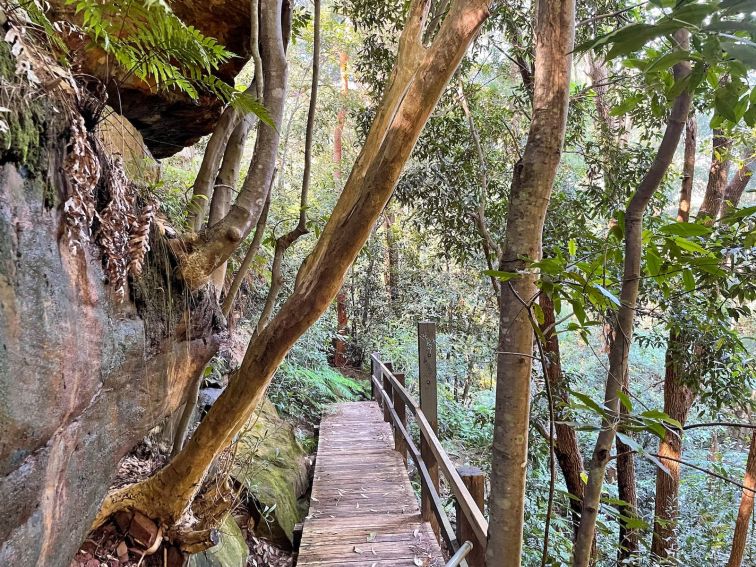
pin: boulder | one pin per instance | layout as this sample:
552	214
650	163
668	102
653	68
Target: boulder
231	551
273	468
83	377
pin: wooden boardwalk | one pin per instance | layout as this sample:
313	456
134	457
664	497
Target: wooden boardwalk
363	511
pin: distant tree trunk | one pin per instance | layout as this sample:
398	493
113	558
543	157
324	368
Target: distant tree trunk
734	190
720	165
689	168
392	257
342	316
532	184
566	447
629	537
678	398
417	82
623	333
745	510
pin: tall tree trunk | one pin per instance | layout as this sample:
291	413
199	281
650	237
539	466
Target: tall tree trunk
342	317
740	537
623	333
566	447
392	256
629	537
418	79
531	189
678	399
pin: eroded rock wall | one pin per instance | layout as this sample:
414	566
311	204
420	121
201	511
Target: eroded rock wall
83	377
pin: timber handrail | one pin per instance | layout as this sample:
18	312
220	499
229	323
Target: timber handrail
383	378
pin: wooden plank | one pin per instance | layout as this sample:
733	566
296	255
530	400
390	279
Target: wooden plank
426	348
363	510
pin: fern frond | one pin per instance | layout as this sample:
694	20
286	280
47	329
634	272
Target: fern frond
149	41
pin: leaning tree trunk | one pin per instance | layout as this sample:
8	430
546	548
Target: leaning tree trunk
416	84
531	189
740	537
623	327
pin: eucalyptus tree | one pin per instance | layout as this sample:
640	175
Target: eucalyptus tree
422	69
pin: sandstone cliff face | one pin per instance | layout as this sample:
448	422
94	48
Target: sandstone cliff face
83	377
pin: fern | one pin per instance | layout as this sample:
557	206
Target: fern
148	40
304	393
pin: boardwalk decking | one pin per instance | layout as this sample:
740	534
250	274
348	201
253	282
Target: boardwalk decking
363	511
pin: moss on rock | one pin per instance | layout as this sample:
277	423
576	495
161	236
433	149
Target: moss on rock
271	465
232	551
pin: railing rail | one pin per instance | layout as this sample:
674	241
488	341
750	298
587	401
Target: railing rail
388	389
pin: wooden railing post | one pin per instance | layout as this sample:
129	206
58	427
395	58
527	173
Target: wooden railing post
374	374
388	389
399	443
475	481
426	347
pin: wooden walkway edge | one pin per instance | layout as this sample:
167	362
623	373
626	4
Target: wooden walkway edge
363	510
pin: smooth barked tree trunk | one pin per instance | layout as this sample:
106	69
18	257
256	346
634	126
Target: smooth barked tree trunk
418	79
623	326
531	189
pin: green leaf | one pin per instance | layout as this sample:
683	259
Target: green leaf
653	261
745	53
688	280
625	401
668	60
608	294
502	276
656	461
629	441
685	229
689	245
572	247
588	402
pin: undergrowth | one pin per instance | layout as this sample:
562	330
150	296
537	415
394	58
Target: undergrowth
303	393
